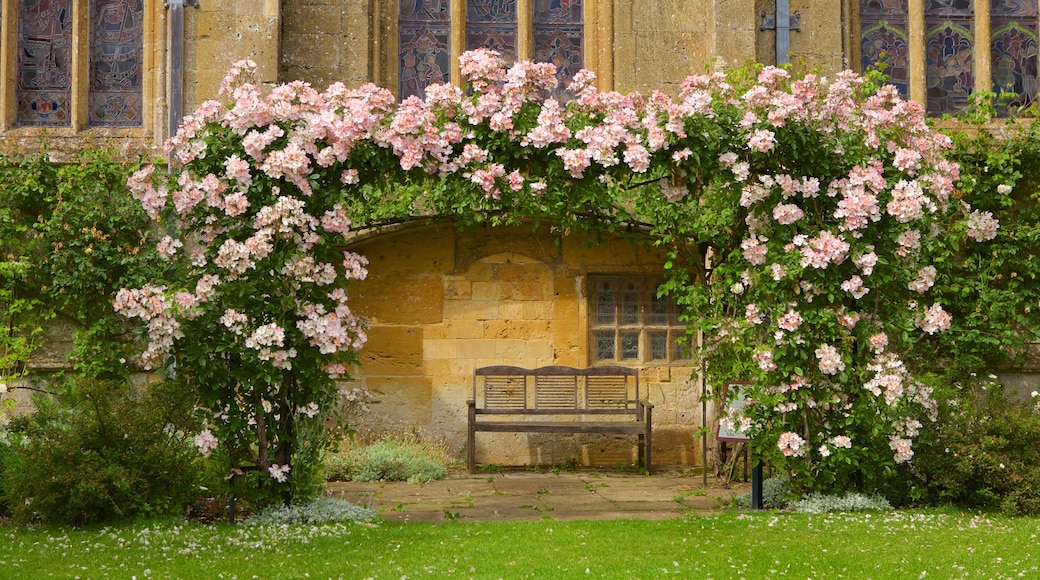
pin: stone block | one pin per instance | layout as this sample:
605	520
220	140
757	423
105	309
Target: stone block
528	352
488	291
455	329
428	250
399	299
517	329
510	311
392	350
307	19
401	399
457	288
537	310
440	348
317	61
476	349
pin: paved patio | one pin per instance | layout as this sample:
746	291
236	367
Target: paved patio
518	495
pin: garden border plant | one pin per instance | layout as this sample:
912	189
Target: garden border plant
822	205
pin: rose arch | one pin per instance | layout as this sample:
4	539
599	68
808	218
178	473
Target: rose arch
799	216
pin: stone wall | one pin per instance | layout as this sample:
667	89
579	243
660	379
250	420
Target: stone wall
442	303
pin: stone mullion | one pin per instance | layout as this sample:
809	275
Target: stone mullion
983	72
918	77
8	65
80	63
602	38
525	30
458	39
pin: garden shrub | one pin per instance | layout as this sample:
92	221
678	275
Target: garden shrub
776	493
819	503
102	451
316	511
983	453
391	458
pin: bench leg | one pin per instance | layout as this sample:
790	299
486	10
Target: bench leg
471	452
649	439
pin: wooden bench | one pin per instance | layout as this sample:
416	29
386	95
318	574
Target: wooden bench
595	400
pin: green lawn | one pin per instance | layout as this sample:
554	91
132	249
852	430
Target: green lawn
926	544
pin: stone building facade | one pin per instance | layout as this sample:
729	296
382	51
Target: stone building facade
443	302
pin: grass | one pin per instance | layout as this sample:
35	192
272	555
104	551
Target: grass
733	545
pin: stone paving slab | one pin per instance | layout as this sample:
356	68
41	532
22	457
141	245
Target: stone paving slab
516	495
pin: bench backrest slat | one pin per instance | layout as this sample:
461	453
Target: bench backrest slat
505	392
557	389
606	392
555	392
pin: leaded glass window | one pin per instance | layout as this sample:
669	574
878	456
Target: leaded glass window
1013	49
492	24
424	33
116	48
949	34
558	37
630	323
551	31
44	78
885	38
949	54
108	91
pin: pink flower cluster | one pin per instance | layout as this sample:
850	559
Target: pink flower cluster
824	250
829	360
934	319
791	444
152	305
982	226
206	442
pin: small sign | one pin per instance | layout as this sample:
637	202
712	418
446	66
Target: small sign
724	433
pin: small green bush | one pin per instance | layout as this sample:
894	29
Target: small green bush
818	503
6	455
320	510
391	458
102	452
776	492
983	453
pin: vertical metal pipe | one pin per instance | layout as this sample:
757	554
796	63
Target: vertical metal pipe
783	32
176	89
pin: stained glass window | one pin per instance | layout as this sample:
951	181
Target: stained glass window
558	37
885	38
1013	49
949	51
492	24
630	323
949	54
44	78
424	31
116	38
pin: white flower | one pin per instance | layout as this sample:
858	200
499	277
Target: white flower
206	442
279	472
1035	394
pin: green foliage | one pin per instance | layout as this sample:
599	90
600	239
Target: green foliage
391	458
818	503
70	236
100	452
991	288
983	453
322	510
776	493
7	456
